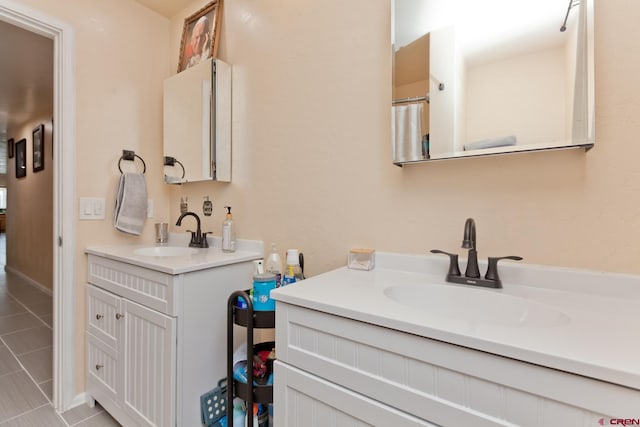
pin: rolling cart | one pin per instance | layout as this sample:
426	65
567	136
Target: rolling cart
251	320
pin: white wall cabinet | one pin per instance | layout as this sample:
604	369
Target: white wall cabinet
330	365
156	342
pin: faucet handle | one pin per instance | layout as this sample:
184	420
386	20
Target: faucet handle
454	270
492	269
205	243
194	241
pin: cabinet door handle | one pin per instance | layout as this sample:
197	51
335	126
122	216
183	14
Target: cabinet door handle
119	316
99	316
98	366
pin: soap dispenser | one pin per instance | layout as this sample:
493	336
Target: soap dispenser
228	232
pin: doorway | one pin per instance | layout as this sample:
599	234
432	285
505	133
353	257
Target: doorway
63	238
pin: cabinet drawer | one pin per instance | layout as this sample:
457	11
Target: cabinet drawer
142	285
306	400
102	308
102	368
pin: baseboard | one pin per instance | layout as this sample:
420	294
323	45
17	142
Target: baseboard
28	280
80	399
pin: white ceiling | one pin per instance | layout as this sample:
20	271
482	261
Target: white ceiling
168	8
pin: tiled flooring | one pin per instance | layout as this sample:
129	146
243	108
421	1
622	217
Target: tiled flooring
26	344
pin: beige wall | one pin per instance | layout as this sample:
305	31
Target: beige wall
311	159
30	209
312	168
525	95
122	58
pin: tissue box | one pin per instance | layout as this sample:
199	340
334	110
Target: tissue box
362	259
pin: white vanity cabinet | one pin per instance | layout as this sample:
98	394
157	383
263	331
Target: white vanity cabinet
330	366
155	342
136	362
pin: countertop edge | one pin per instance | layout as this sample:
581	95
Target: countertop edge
341	292
247	250
574	367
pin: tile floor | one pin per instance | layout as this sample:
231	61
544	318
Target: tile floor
26	344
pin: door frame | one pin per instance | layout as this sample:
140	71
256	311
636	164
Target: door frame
65	392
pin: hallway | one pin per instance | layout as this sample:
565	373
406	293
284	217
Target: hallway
26	354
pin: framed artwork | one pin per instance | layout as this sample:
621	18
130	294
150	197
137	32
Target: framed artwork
38	148
21	158
200	36
11	147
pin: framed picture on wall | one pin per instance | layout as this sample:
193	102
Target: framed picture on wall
21	158
200	36
38	148
10	148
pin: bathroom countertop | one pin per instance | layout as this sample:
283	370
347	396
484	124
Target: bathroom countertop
597	337
246	250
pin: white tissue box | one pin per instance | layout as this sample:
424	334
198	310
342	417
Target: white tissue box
362	259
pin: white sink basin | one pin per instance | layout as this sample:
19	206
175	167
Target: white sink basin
165	251
476	305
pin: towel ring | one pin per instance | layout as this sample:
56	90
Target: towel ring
131	155
171	161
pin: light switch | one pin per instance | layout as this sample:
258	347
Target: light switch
92	208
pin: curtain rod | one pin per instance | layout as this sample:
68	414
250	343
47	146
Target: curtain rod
572	3
416	99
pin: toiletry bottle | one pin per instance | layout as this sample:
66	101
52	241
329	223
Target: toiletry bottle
239	413
228	233
292	272
274	265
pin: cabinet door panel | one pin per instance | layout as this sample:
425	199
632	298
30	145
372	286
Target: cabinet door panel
149	365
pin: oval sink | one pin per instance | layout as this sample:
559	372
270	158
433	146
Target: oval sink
476	305
165	251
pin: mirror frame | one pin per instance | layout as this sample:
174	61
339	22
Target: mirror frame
583	133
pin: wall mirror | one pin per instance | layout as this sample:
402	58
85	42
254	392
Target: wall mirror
475	78
197	124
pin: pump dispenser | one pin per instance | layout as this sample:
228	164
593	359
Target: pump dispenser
274	265
228	232
292	272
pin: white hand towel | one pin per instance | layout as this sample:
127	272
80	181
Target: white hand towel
131	203
407	133
502	141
